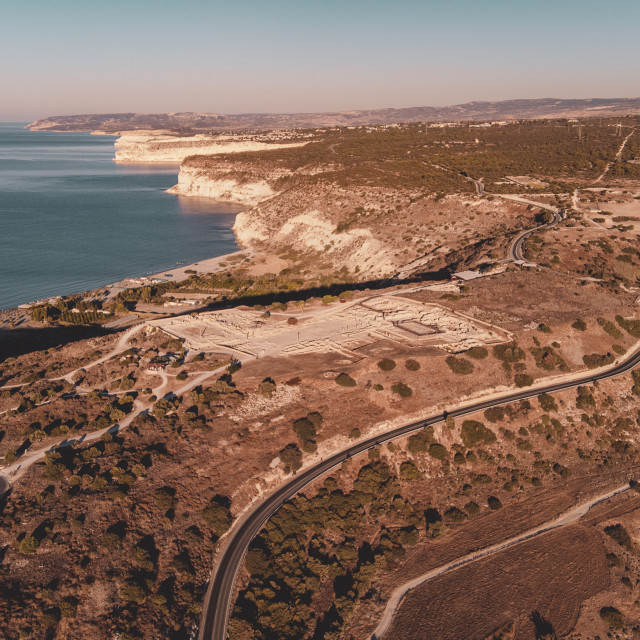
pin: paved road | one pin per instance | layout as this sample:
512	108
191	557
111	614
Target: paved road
568	517
217	602
515	250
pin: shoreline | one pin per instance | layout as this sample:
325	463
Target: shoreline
175	273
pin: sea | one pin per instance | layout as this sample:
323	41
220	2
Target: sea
71	219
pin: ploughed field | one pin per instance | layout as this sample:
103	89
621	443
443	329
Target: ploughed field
551	575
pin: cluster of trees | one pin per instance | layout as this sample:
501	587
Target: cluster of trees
61	311
314	543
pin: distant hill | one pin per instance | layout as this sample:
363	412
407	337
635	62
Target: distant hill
189	122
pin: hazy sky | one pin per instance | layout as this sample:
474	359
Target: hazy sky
238	56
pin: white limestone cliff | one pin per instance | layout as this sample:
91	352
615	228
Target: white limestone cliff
133	147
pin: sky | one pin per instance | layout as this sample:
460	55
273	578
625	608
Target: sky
284	56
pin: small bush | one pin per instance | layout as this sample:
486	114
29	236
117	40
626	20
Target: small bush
412	365
494	414
618	533
477	353
386	364
612	617
547	402
610	328
579	325
460	365
419	442
632	327
438	451
453	514
28	545
291	457
354	434
494	503
459	458
472	508
304	429
523	380
345	380
544	328
474	432
508	353
401	389
218	516
409	471
595	360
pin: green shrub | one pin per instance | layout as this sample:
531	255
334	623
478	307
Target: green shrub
460	365
409	471
345	380
585	399
218	516
610	328
419	442
632	327
354	434
547	402
453	514
386	364
595	360
28	545
266	388
472	508
459	458
618	533
544	328
523	380
612	617
508	353
401	389
438	451
474	432
579	325
494	503
291	457
304	429
412	365
477	353
164	498
494	414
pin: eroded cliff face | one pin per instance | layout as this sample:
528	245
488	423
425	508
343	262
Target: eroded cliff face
192	182
225	180
146	148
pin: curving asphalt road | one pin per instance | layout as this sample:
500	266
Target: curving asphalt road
515	250
215	614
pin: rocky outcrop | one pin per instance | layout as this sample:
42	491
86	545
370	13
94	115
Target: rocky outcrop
200	183
171	149
313	233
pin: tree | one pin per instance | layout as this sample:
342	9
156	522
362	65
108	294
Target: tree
345	380
474	432
291	457
28	544
218	516
461	366
386	364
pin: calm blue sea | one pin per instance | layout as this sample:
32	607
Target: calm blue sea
71	219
